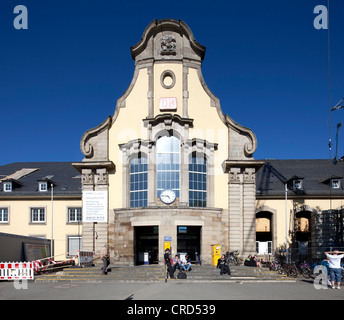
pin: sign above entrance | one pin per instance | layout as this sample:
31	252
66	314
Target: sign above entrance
94	206
168	104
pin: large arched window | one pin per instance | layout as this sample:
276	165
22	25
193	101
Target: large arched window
168	164
197	181
138	182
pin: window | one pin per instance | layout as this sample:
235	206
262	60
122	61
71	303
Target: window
3	215
335	184
74	215
138	182
37	215
7	186
297	184
168	164
197	182
74	244
43	186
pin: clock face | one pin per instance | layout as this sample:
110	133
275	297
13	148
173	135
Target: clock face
167	196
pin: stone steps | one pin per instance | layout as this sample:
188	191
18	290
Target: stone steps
157	273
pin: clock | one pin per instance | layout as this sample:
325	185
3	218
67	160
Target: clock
167	196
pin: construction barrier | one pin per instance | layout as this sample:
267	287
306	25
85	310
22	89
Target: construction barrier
16	271
85	258
47	264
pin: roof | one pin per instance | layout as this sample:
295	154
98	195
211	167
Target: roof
315	174
65	178
270	179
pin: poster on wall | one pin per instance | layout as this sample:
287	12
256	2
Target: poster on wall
94	206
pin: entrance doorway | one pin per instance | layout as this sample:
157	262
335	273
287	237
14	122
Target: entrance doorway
264	233
146	244
189	242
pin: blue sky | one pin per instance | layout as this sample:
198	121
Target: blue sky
265	61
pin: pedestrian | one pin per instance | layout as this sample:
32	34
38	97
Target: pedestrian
334	266
167	259
105	256
258	263
224	268
187	263
177	264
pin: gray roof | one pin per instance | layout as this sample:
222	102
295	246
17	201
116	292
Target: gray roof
26	175
315	174
270	178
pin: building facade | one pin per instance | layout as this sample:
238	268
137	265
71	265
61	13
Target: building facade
42	200
174	166
169	168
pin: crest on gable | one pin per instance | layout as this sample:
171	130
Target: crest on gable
168	45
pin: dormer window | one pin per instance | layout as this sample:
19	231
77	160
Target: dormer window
297	184
335	183
43	186
7	186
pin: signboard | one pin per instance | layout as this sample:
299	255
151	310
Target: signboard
94	206
168	104
85	258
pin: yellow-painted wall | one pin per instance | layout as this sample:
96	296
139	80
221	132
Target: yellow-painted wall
279	206
20	221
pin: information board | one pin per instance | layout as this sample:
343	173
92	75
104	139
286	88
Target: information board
94	206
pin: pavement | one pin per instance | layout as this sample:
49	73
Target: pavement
181	291
172	290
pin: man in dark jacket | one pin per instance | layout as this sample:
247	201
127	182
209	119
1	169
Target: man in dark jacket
221	263
167	259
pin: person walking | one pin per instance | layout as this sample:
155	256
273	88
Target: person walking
105	256
334	266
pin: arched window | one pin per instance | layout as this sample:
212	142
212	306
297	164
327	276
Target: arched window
197	181
168	164
138	182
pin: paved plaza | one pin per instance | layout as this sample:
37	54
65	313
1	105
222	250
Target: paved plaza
171	291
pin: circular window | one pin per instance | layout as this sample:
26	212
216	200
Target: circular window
168	79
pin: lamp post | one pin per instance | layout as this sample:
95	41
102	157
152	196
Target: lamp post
286	221
52	219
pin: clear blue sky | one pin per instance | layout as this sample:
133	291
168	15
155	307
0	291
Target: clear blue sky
265	61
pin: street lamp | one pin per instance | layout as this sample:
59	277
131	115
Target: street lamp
286	221
52	219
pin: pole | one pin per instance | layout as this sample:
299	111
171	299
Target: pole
286	221
52	219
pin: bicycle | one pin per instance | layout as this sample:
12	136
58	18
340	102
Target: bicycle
232	258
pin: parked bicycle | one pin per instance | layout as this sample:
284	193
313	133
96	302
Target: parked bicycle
232	258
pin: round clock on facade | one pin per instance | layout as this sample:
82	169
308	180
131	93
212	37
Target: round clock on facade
167	196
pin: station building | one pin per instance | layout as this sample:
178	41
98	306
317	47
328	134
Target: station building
174	166
169	168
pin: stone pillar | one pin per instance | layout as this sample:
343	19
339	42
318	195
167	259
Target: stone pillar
241	205
87	227
235	222
95	178
249	215
102	233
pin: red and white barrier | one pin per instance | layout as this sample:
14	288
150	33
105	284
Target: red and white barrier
16	271
85	258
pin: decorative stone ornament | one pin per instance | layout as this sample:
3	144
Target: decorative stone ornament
168	45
